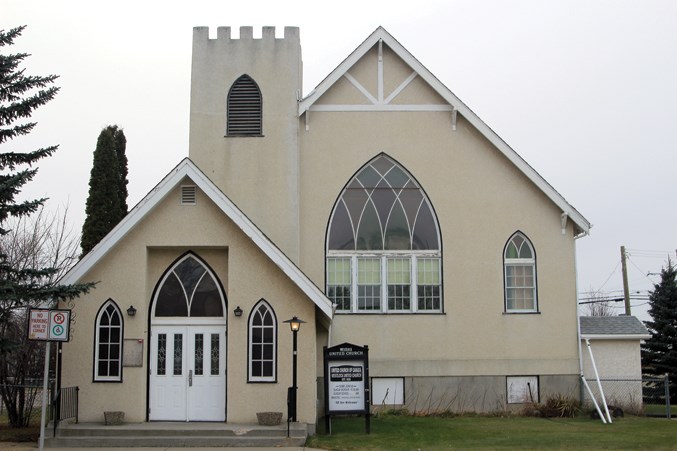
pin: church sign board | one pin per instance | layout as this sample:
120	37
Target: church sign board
346	381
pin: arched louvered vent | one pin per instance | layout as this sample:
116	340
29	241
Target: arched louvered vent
244	108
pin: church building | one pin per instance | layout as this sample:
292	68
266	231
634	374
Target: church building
379	209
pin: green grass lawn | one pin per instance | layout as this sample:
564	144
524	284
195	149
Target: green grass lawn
659	409
476	432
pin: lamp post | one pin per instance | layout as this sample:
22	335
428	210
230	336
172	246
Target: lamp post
295	325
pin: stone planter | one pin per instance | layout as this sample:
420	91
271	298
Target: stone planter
113	418
269	418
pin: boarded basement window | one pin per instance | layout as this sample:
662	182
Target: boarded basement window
244	108
188	195
522	389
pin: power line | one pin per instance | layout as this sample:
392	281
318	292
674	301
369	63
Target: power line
650	253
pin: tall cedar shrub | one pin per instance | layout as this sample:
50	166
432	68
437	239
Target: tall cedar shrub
659	353
20	287
107	200
120	150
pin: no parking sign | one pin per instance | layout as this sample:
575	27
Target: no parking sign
49	325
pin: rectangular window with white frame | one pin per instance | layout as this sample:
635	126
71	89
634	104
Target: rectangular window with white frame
388	283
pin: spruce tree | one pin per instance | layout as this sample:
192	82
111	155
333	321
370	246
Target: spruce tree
20	95
659	353
104	209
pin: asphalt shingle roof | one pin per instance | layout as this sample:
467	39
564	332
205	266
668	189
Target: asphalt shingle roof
612	325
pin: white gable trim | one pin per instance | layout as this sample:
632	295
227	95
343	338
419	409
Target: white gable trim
308	103
184	169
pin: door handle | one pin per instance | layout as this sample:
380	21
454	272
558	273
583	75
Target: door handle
190	378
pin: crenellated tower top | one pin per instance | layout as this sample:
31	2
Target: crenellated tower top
247	34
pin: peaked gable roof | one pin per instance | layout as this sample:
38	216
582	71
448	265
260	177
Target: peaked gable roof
186	168
613	327
456	106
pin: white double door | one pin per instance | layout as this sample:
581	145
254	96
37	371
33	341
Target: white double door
188	373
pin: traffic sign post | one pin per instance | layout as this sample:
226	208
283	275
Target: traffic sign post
47	325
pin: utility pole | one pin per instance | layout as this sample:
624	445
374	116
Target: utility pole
626	290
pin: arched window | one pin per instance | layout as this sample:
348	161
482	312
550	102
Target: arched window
383	244
262	343
188	289
108	343
244	108
519	261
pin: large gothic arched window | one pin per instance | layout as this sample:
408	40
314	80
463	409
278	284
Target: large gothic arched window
188	289
383	244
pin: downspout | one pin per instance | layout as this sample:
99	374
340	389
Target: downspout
585	385
578	322
334	305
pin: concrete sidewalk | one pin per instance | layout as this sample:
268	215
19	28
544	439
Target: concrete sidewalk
9	446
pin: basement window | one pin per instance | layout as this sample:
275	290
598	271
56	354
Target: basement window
522	389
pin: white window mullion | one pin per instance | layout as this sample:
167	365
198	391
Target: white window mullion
414	284
353	281
384	284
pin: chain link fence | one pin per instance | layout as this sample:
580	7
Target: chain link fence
646	396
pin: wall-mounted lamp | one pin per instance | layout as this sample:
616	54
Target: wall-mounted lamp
238	311
131	311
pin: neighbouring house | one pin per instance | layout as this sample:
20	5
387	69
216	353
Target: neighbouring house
615	344
379	209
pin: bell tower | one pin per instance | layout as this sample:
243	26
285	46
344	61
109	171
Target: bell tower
244	124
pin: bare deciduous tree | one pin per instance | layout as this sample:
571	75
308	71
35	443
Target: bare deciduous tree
43	240
598	304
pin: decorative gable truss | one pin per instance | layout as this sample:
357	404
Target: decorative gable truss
380	59
354	70
382	97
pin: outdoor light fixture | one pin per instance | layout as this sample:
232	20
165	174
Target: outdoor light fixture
237	311
295	325
131	311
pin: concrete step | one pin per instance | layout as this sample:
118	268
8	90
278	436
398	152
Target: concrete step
172	442
167	434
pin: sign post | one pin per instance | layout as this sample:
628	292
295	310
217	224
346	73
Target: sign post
346	383
47	325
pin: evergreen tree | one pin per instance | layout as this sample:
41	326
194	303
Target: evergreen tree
20	95
120	150
107	200
659	353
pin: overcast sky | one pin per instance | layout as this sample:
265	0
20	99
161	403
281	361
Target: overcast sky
585	91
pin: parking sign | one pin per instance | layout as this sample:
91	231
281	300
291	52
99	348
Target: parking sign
49	325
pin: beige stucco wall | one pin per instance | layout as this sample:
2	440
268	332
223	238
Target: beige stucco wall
128	274
480	199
